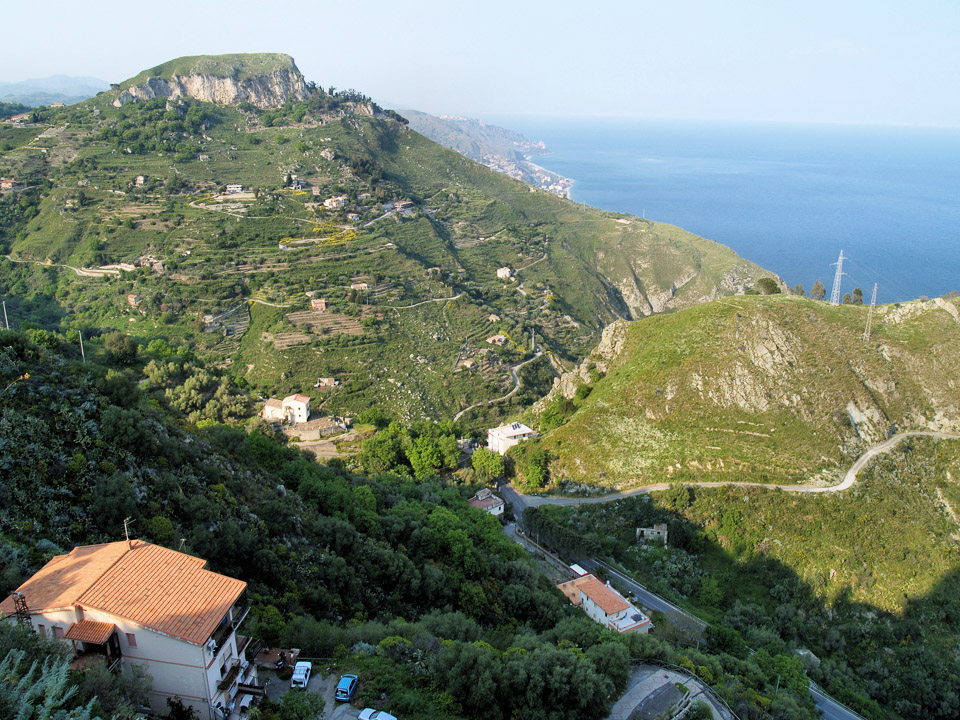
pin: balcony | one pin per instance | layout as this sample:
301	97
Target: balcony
232	673
231	622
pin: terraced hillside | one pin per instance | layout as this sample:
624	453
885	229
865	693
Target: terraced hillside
330	197
769	389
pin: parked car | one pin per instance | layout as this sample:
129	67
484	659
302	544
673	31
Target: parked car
371	714
301	674
346	687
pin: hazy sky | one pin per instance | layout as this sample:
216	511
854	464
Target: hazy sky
853	61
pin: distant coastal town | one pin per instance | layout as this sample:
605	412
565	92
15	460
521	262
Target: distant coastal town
530	173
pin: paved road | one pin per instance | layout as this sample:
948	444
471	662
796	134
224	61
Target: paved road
849	479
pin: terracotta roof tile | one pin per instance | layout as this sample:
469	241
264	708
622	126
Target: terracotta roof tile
605	598
161	589
60	582
88	631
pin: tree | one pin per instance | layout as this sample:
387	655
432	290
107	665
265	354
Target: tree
798	290
818	291
487	464
768	286
120	348
39	691
847	300
857	296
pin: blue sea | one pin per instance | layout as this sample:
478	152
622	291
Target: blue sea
788	197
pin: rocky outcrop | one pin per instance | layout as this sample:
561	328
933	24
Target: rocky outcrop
611	345
265	91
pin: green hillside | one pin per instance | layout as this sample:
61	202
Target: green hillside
139	189
235	65
774	389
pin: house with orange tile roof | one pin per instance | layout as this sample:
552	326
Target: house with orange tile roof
605	605
133	602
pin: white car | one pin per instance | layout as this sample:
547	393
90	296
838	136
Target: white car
371	714
301	674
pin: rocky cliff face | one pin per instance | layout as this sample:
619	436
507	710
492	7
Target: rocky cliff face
265	91
608	349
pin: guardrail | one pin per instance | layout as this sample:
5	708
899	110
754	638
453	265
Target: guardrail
815	690
714	695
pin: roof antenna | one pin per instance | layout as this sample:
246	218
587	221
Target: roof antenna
126	533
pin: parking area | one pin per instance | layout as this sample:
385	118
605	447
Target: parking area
321	682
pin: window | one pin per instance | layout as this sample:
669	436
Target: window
58	632
42	629
131	640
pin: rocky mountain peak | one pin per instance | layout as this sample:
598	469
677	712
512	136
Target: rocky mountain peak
267	80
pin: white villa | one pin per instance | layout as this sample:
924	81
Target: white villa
605	605
133	602
333	203
293	408
501	439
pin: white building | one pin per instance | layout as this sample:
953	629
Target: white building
297	407
233	189
501	439
293	408
605	605
335	202
504	273
486	500
133	602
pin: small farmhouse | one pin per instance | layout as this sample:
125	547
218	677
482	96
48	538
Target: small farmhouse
501	439
504	273
486	500
497	340
139	181
133	300
656	534
132	602
234	189
326	383
293	408
605	605
318	304
359	286
353	217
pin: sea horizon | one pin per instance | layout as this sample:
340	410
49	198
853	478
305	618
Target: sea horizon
788	196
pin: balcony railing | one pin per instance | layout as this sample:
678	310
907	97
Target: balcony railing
236	616
231	675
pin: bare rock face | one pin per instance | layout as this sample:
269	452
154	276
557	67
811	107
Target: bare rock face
264	91
611	345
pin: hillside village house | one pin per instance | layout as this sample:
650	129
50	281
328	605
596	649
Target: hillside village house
359	286
504	273
605	605
318	304
293	408
497	340
133	602
335	202
486	500
501	439
234	188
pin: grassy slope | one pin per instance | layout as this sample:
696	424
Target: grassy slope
235	65
482	220
757	388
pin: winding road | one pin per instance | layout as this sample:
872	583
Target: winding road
516	386
525	501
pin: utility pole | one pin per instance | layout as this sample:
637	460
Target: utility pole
873	303
5	321
835	295
82	353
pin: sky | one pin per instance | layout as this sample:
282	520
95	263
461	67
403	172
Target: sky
835	61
